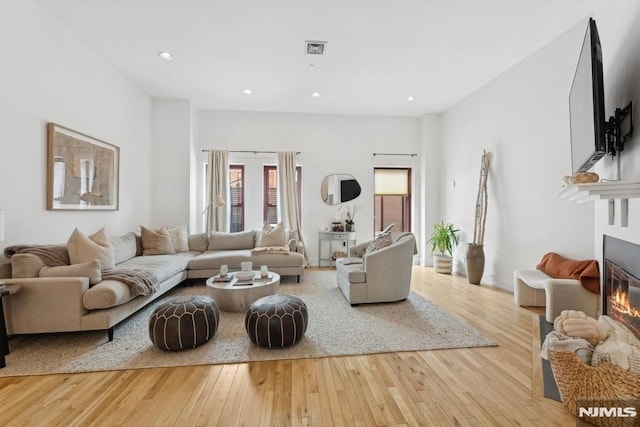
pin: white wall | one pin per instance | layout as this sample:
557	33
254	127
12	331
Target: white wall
328	144
522	118
48	75
429	194
172	146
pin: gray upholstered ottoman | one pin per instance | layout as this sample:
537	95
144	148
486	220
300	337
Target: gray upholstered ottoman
276	321
183	322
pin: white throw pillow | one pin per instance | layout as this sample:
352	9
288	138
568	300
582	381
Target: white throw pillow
87	248
179	238
272	236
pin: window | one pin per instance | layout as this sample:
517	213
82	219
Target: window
236	191
392	199
270	193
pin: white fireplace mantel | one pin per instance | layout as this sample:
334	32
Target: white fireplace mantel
605	190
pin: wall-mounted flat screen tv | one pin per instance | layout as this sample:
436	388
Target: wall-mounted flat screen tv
586	105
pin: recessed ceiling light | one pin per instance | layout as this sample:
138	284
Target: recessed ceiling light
410	98
165	55
315	94
311	65
247	92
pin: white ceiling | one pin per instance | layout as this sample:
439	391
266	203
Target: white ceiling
379	52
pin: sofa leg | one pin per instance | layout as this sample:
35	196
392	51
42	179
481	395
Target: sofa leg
298	278
110	333
354	305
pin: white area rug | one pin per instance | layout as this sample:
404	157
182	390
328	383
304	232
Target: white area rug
335	329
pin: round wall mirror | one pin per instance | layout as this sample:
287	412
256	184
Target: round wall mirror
339	188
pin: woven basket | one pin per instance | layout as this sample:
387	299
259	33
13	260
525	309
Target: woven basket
608	384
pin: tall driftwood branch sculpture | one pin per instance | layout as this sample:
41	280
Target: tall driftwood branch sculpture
481	201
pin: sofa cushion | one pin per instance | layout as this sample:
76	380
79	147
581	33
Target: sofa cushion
89	269
198	242
25	266
87	248
223	241
106	294
353	272
271	236
124	247
161	266
179	238
213	259
156	242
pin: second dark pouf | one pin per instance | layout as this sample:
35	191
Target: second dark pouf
276	321
183	322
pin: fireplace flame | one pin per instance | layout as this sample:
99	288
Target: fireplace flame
620	303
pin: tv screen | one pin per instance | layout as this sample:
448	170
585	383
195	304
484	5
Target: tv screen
586	105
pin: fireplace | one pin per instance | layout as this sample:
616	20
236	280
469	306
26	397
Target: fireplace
621	294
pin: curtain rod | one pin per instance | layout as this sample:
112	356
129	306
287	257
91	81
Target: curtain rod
206	150
395	154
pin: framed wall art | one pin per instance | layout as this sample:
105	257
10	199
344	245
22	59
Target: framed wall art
82	172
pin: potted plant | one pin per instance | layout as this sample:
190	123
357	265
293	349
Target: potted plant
443	240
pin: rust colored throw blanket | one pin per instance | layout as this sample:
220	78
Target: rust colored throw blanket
560	267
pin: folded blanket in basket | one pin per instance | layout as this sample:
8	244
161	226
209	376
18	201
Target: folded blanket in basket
560	267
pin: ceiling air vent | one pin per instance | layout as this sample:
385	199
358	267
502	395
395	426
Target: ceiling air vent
312	47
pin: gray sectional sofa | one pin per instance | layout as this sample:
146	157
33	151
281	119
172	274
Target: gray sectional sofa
78	298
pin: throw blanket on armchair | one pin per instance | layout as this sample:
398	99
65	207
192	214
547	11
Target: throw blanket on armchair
560	267
141	282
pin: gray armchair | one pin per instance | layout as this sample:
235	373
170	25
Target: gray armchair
380	276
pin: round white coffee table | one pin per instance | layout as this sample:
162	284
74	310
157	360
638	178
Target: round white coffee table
236	296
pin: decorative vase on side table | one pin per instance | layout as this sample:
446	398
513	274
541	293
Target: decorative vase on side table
474	262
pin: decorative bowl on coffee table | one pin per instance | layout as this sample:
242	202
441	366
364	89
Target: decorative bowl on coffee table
245	275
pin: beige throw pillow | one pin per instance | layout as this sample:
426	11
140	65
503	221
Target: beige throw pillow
89	269
271	236
156	242
24	266
179	238
87	248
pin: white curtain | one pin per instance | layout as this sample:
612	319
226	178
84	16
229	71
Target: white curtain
287	194
217	218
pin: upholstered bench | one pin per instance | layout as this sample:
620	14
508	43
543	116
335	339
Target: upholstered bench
276	321
183	322
533	288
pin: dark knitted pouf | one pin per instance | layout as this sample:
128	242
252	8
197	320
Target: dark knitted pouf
276	321
183	322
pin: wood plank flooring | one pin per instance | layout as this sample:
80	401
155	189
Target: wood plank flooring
496	386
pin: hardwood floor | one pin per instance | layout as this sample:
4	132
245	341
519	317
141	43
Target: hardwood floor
475	386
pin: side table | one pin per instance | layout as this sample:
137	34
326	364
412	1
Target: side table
4	339
344	237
